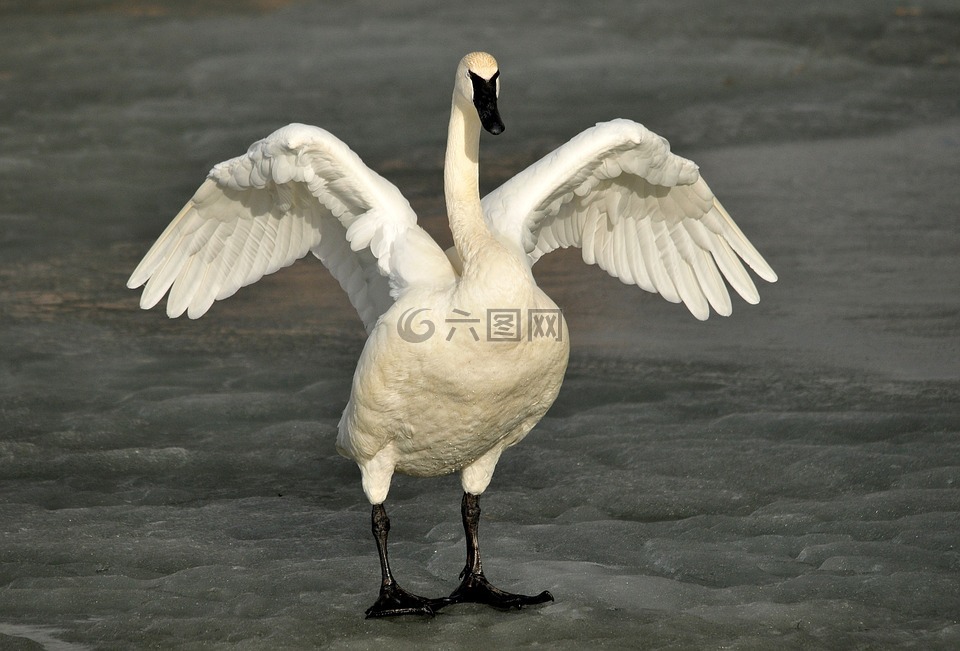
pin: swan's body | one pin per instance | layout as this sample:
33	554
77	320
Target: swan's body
434	407
428	406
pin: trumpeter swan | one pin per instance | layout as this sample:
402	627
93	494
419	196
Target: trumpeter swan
426	402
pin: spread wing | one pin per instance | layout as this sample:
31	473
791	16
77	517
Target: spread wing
641	213
300	189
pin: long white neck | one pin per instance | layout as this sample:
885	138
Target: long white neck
461	182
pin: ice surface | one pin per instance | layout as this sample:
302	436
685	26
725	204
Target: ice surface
784	478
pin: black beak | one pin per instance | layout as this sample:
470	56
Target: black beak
485	100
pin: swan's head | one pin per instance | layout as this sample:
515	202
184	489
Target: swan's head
478	81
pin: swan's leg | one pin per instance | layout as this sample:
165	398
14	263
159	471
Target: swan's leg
393	599
474	587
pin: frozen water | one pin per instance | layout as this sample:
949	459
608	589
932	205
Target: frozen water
785	478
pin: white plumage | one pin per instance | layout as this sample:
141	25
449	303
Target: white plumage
641	213
440	405
298	190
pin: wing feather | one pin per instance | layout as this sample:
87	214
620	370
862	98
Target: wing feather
637	210
634	256
298	190
662	280
622	259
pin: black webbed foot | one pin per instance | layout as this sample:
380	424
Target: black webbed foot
476	589
394	600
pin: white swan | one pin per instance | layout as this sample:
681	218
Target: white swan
465	353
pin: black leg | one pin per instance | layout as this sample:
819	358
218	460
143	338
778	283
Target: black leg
393	599
474	587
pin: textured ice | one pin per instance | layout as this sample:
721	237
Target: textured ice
785	478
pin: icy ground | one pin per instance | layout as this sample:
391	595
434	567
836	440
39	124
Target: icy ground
785	478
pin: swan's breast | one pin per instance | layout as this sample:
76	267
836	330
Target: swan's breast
446	384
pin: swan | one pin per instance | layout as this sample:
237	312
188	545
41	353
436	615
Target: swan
464	353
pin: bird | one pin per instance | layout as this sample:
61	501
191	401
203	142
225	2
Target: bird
424	403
